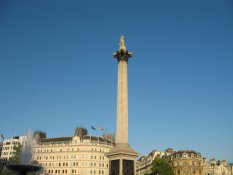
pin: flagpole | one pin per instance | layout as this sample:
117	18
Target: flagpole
98	136
112	138
90	135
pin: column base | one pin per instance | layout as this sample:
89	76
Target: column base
122	160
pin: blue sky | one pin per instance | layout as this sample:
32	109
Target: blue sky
57	71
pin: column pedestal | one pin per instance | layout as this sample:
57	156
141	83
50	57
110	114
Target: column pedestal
122	160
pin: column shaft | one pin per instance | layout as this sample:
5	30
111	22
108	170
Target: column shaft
122	103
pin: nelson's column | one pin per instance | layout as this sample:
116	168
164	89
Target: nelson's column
122	156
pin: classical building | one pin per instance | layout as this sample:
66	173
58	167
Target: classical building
8	147
79	154
221	167
144	163
187	162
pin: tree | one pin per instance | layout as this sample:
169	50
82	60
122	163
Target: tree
1	167
161	166
16	157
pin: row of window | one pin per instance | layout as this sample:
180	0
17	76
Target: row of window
186	171
73	171
185	155
68	150
187	164
10	143
66	164
8	148
7	153
69	157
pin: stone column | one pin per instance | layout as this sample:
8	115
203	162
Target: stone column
122	156
122	102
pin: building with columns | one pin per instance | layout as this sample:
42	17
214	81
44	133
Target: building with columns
79	154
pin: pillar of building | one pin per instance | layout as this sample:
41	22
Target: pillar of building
122	157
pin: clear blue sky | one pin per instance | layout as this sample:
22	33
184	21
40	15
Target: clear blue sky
57	71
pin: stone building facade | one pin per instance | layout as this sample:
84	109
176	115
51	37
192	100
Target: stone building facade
144	163
8	147
187	162
80	154
220	167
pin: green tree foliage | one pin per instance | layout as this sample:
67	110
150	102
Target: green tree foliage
161	166
15	159
1	168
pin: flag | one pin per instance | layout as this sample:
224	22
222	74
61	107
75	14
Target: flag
2	136
101	129
92	127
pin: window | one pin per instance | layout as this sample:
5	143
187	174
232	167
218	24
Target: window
185	171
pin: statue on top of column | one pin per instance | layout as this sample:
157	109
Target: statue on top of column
122	43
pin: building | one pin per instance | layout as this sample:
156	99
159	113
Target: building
8	147
1	145
220	167
79	154
144	163
186	162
